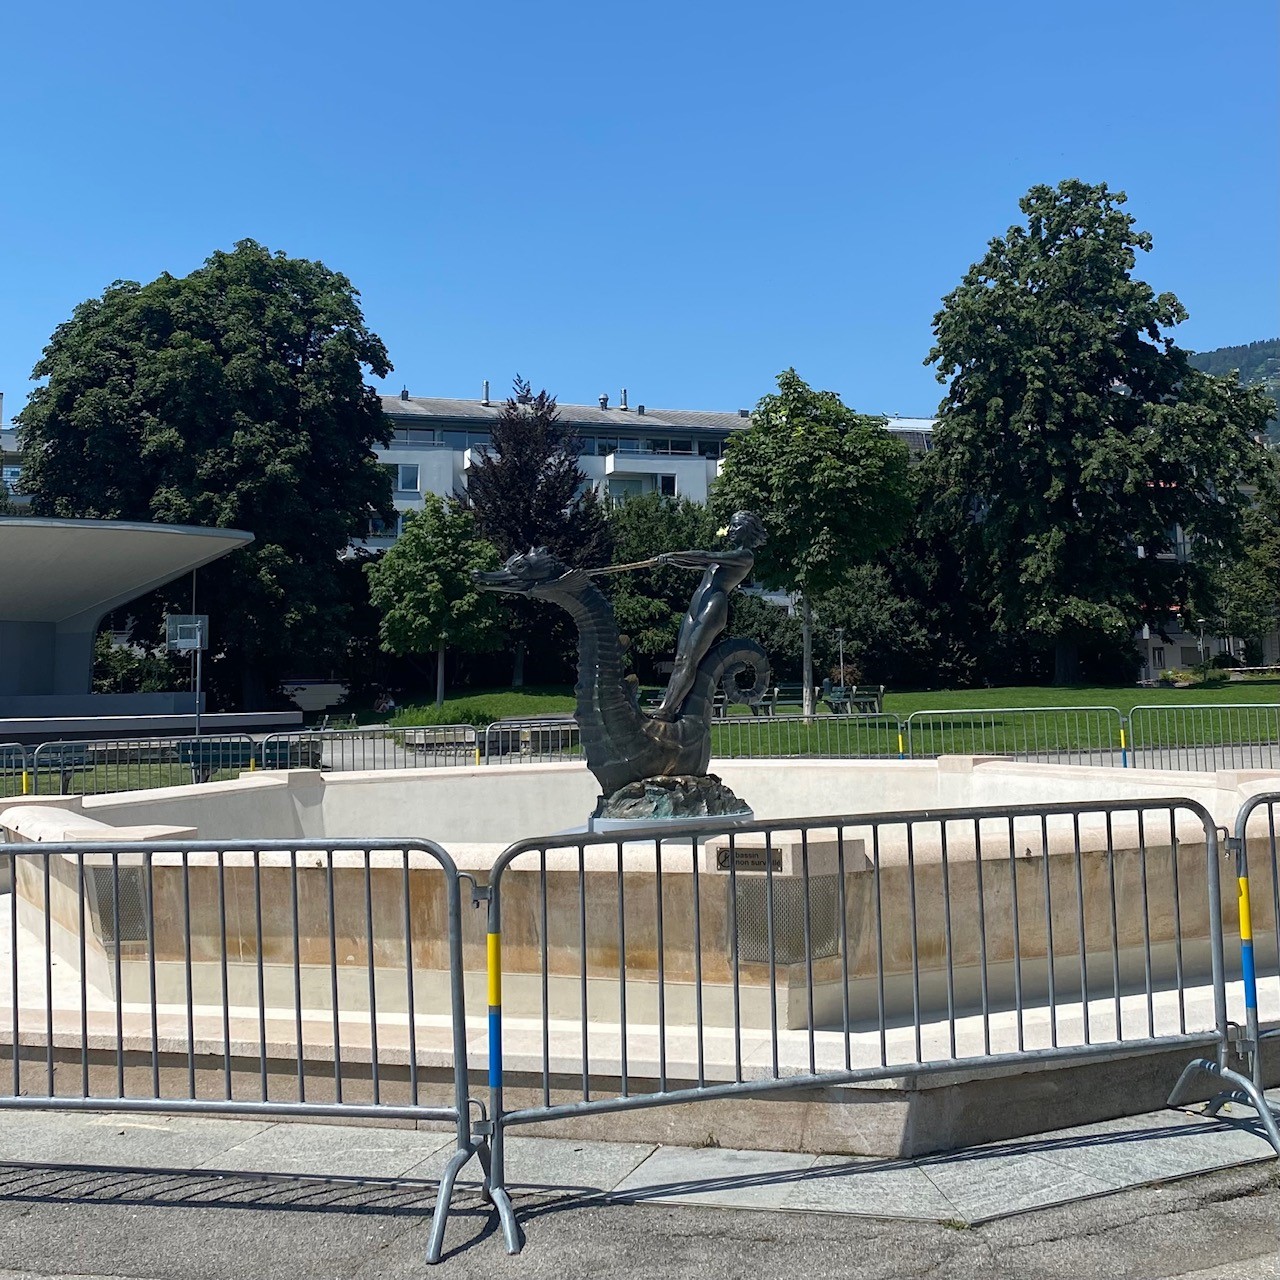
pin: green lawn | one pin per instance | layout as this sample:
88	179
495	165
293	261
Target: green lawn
1123	697
1041	721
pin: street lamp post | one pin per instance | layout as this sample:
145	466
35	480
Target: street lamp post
1200	643
840	638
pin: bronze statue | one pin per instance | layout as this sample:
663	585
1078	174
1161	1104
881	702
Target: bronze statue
708	612
654	764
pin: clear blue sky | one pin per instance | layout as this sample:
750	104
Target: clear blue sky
677	198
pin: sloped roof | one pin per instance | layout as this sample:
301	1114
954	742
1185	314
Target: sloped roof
56	570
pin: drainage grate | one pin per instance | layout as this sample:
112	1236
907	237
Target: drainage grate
788	918
133	903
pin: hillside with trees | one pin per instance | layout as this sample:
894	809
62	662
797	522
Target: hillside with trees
1258	365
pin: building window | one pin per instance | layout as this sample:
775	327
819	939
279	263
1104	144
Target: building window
1157	659
667	486
404	476
623	487
418	436
379	528
10	476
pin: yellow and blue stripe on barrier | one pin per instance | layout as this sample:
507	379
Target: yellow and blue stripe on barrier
495	1010
1247	970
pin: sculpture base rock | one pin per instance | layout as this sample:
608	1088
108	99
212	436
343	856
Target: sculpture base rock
684	797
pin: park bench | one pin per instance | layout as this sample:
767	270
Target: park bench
288	753
867	698
864	699
441	740
207	756
782	695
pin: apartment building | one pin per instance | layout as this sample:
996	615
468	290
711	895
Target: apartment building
627	450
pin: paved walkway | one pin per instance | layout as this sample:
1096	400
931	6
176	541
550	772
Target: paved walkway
139	1175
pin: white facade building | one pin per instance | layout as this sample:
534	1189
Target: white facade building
626	450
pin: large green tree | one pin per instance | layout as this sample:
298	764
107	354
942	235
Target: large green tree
528	490
231	397
1075	439
832	487
422	586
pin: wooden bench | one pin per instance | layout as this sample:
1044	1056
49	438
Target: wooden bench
207	756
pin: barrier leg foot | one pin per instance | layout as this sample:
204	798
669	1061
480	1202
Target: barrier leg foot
486	1164
440	1218
507	1217
1244	1091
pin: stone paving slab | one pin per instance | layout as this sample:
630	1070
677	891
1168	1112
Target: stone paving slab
962	1188
307	1148
561	1164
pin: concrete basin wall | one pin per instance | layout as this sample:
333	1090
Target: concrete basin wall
499	804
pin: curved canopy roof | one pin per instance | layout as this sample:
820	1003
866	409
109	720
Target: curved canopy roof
56	570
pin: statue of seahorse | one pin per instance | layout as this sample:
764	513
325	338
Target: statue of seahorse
621	743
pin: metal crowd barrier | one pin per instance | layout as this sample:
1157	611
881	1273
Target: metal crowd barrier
132	764
1207	736
1257	874
14	778
535	741
263	961
869	736
1040	735
803	953
427	746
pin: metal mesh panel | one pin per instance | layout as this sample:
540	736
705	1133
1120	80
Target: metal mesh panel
788	918
133	903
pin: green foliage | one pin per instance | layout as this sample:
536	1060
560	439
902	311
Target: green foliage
135	668
885	641
7	506
422	584
1074	432
528	490
650	603
1247	588
830	485
233	397
1257	364
776	629
485	708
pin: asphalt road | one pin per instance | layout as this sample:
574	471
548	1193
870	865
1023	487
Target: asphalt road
66	1222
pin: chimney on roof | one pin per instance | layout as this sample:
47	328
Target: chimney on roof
484	398
604	402
623	404
404	393
640	410
744	413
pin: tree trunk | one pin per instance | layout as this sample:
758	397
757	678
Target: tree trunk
440	676
517	666
1066	662
806	632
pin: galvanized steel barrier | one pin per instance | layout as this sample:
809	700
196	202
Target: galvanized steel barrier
795	954
1207	737
860	736
93	767
1043	735
1257	875
303	978
14	778
536	741
1201	737
428	746
292	973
